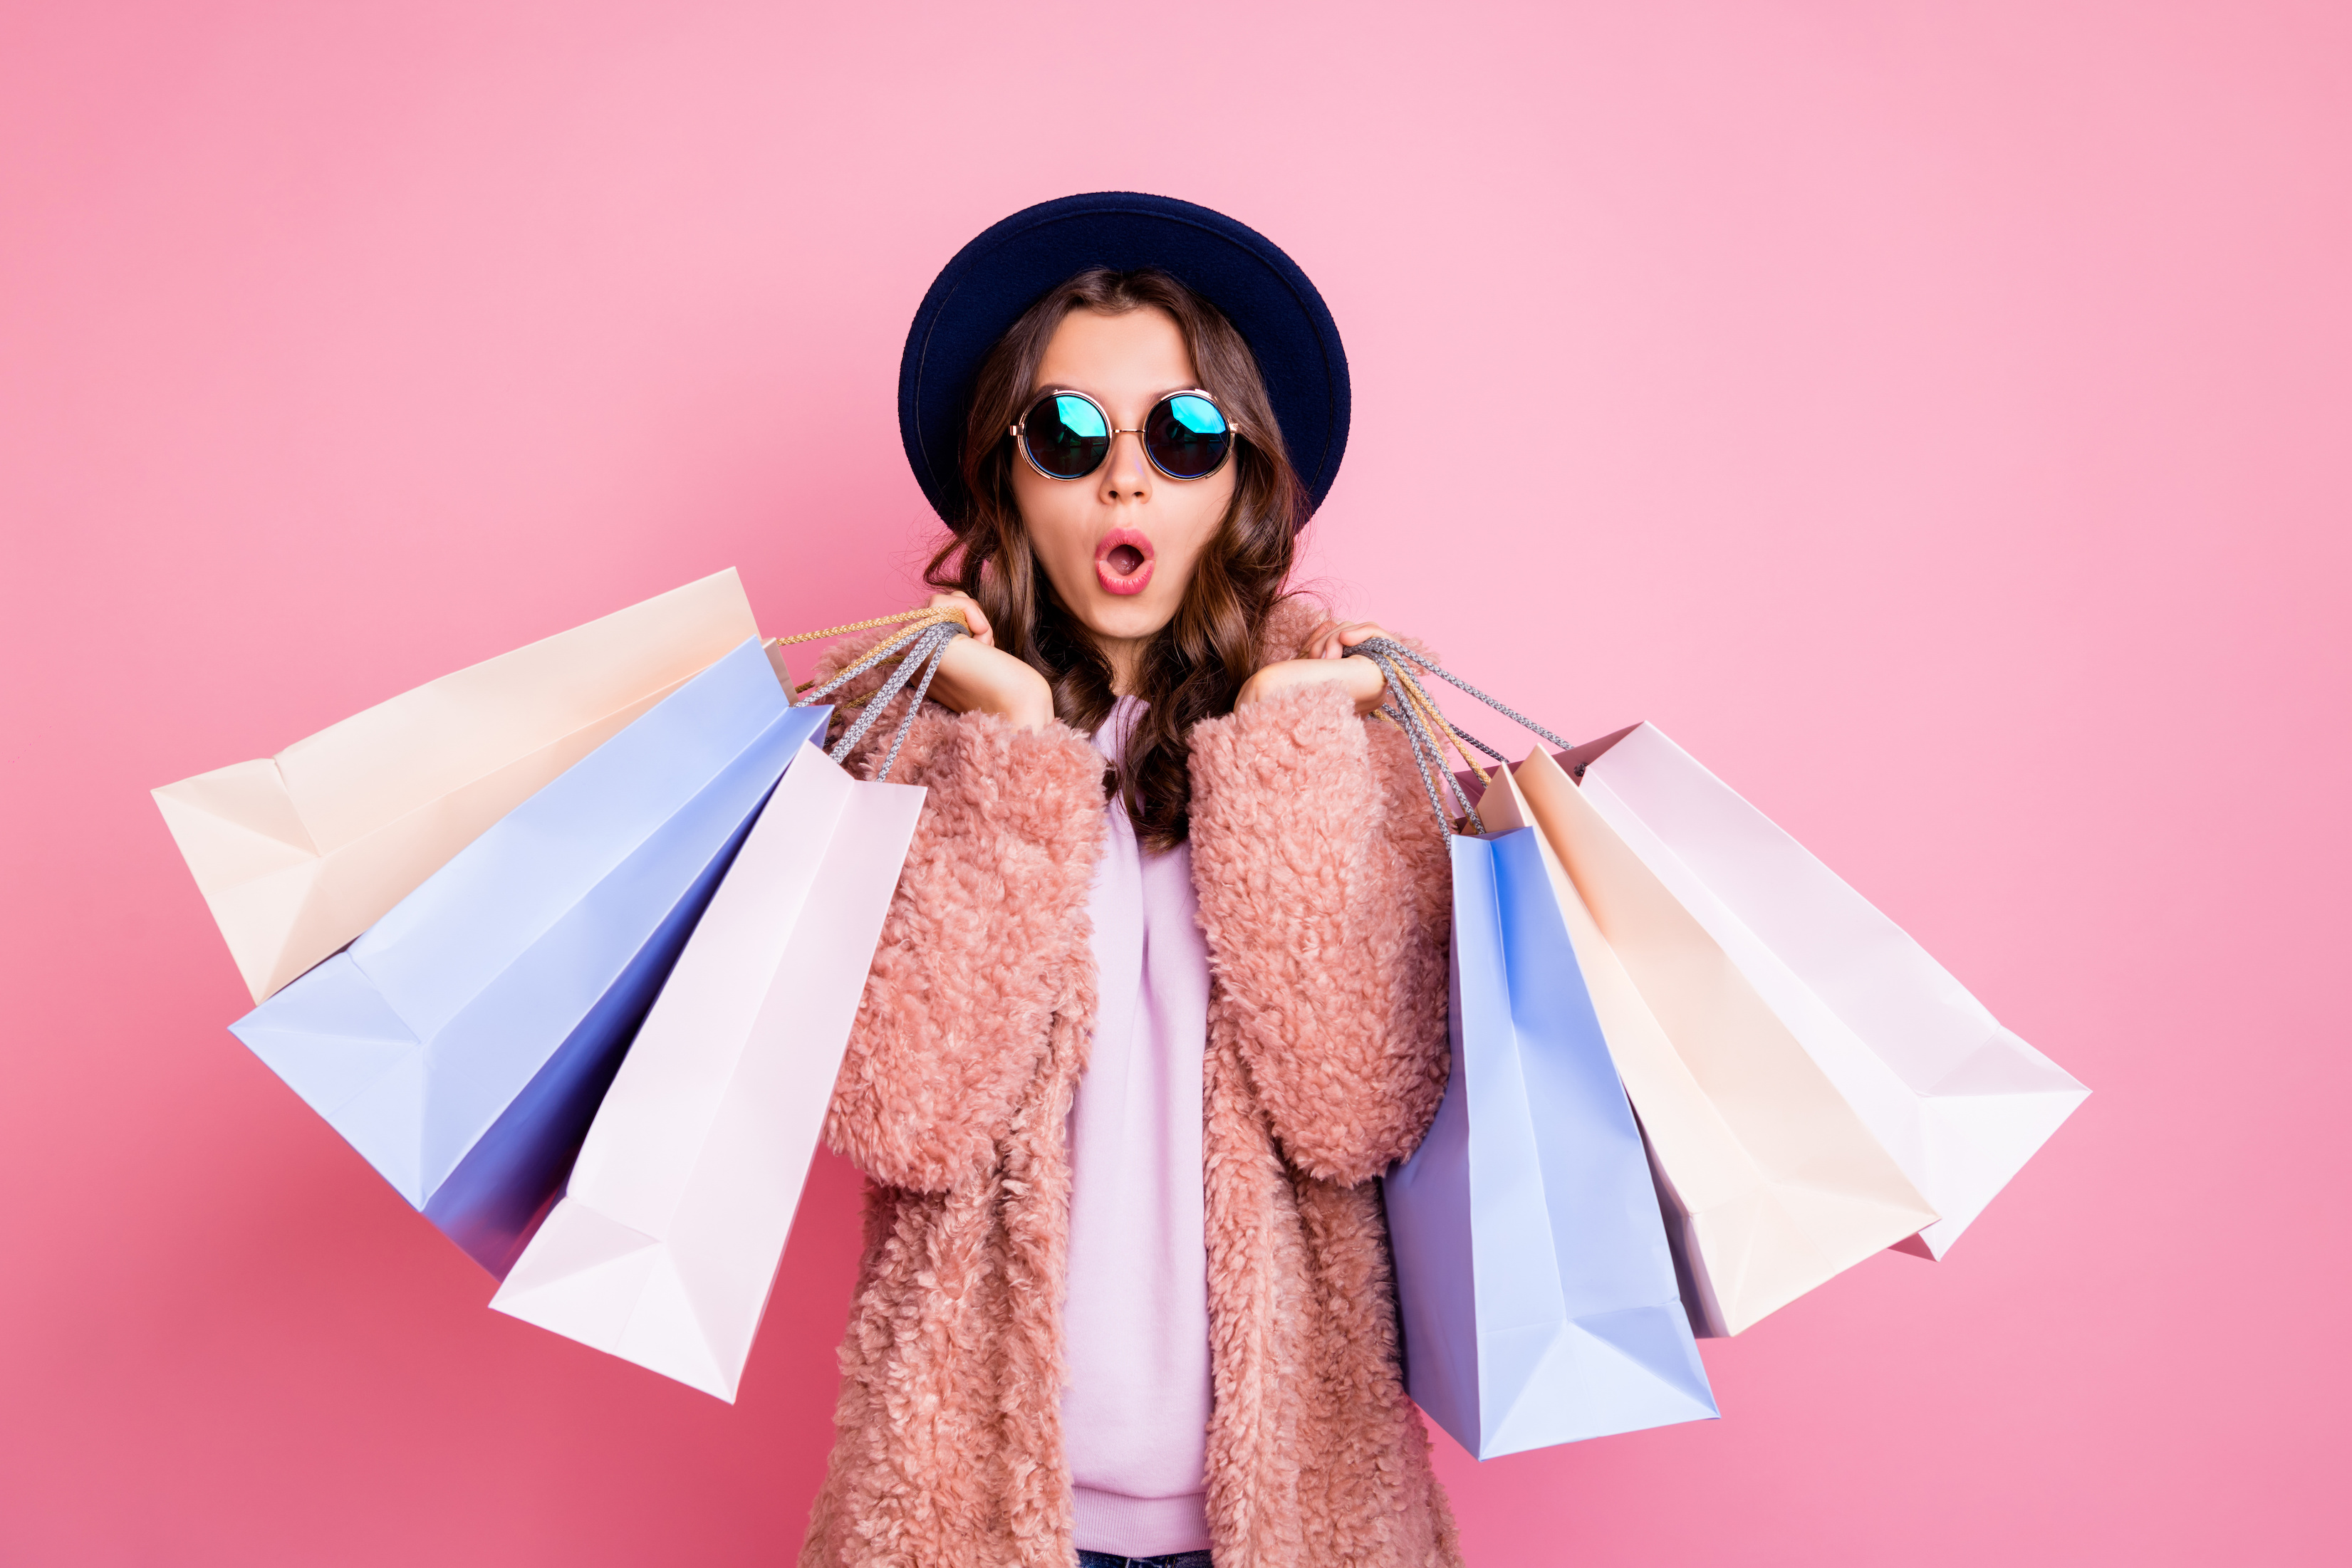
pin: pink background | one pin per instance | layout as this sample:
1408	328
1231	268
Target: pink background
1933	416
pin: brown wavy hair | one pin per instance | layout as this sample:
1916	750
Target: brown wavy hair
1194	667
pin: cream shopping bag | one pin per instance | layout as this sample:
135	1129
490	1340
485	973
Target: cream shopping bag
1771	1183
1960	1101
299	853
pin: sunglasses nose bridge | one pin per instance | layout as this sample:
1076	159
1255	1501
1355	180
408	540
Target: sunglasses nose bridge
1126	466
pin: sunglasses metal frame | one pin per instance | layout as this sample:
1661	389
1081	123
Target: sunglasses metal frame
1018	433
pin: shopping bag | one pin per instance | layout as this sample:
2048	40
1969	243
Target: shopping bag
667	1240
299	853
1959	1100
1535	1283
1534	1277
462	1043
1771	1183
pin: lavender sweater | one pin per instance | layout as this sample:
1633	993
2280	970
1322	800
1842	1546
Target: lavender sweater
1136	1322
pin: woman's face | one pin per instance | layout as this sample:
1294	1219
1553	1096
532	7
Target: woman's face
1119	545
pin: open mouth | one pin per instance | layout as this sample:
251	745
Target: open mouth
1123	561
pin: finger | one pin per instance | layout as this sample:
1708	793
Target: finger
1334	643
1311	645
974	617
1356	632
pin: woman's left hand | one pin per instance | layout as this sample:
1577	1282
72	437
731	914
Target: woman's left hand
1324	658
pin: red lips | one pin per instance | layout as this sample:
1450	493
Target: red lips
1123	561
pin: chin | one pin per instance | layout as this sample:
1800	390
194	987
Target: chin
1124	619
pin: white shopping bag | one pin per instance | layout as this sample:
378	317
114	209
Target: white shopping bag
1960	1101
667	1240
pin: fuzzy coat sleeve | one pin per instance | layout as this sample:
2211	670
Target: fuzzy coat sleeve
990	909
1325	896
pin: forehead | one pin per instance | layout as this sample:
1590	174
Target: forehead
1139	353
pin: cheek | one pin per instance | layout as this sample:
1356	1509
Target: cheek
1192	515
1059	521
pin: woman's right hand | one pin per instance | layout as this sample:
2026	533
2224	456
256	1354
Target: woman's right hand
977	677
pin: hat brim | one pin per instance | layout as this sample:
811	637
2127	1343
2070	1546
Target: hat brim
981	292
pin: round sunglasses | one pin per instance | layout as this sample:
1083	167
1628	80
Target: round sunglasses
1068	434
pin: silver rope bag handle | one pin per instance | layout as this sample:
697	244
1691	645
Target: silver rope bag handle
1395	650
925	644
1409	712
1413	711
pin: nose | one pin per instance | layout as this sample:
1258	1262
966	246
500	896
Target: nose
1127	473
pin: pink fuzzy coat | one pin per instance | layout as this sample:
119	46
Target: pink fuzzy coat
1324	898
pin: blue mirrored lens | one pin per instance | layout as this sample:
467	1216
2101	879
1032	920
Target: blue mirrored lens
1187	436
1066	436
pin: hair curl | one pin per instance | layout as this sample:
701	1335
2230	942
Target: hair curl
1194	666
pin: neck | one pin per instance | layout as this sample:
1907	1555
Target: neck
1126	658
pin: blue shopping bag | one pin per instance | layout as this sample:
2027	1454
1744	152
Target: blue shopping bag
1533	1274
463	1043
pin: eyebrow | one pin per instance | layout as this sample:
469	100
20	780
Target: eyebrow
1041	388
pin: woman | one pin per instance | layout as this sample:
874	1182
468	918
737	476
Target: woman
1163	988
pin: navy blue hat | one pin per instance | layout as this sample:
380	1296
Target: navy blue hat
980	294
